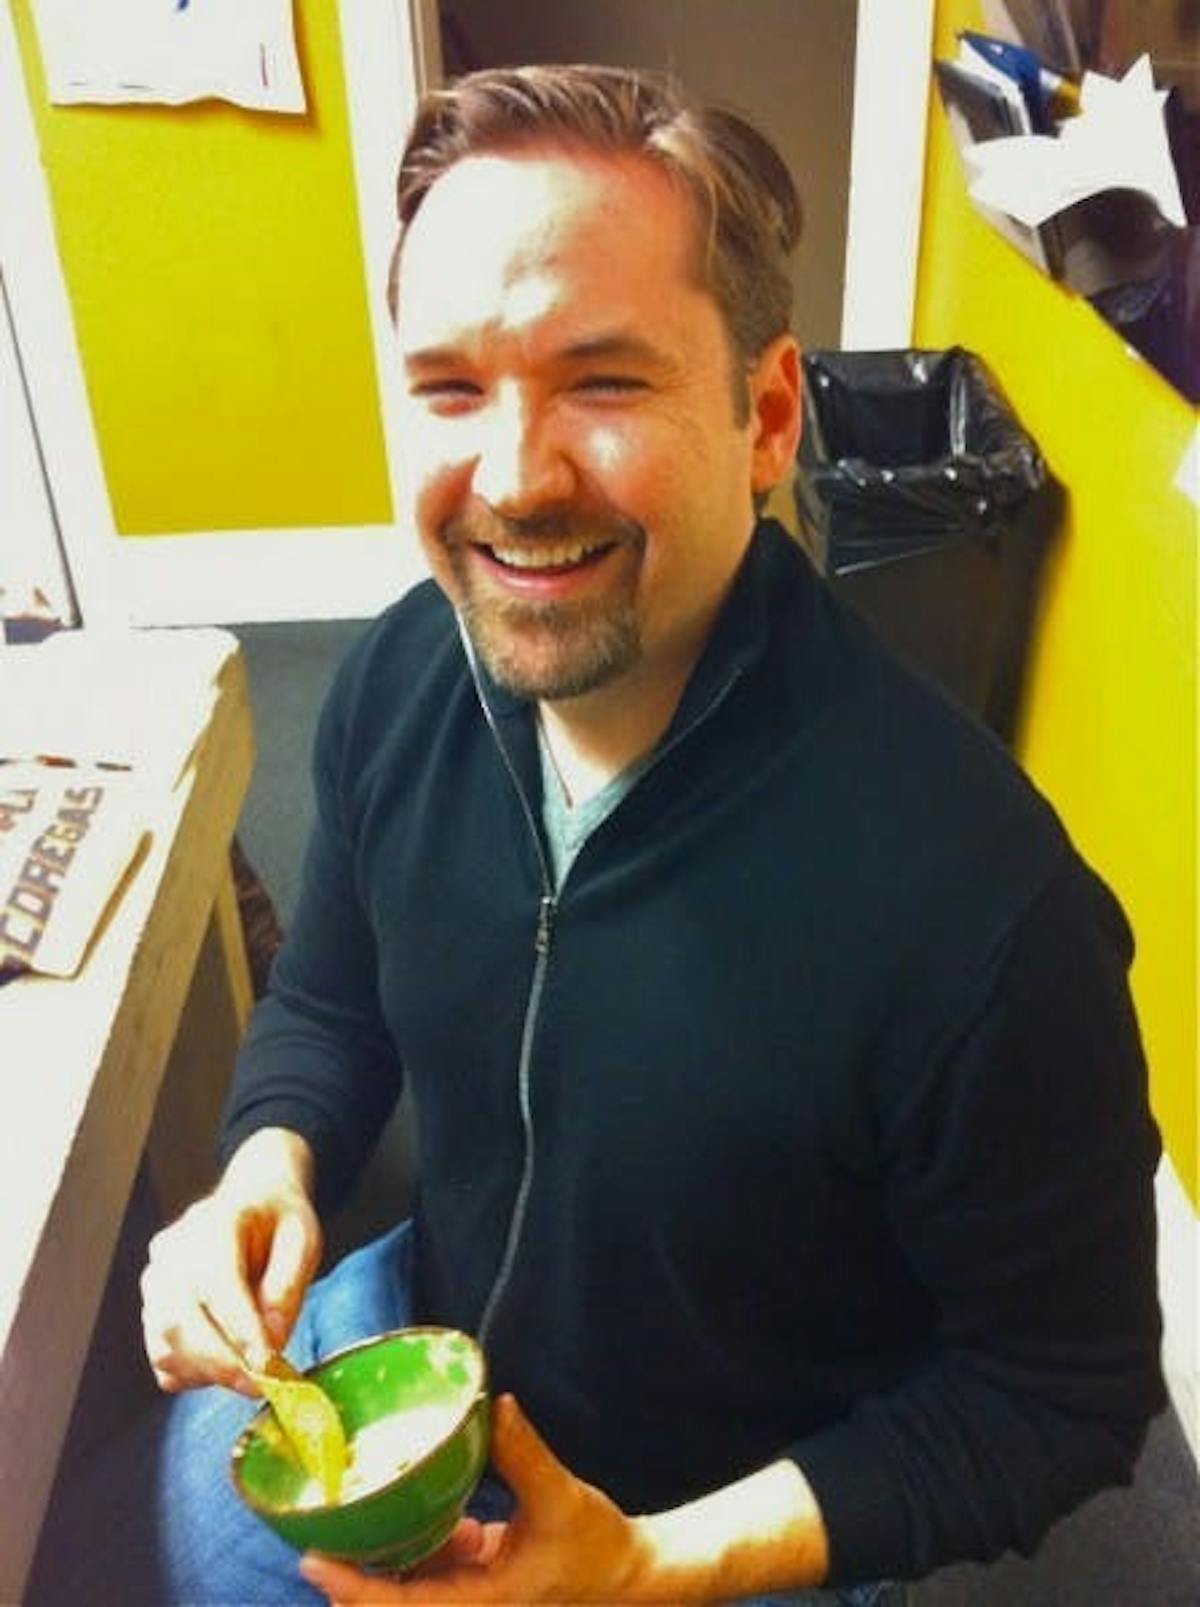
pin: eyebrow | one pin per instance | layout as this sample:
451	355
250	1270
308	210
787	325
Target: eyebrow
432	357
619	345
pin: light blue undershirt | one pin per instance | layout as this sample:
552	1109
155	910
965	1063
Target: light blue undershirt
568	829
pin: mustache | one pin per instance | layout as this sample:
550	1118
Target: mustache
480	527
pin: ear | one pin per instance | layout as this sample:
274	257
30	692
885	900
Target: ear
775	384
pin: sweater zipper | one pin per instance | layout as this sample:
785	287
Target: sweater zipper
543	937
516	1222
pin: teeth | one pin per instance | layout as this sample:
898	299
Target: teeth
559	556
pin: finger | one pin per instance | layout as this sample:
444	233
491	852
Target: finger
196	1301
231	1295
462	1548
346	1586
490	1542
178	1365
526	1463
295	1250
181	1347
236	1324
472	1544
186	1352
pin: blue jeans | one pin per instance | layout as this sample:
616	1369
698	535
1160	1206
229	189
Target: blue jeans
156	1520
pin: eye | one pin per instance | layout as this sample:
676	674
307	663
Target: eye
446	395
610	385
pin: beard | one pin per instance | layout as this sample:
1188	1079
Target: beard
548	650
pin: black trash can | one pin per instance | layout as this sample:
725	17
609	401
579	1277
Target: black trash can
928	508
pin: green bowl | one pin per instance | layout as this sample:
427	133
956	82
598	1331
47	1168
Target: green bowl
397	1521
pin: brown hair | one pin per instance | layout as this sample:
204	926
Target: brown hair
743	193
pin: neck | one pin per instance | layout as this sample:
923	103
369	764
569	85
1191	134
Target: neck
594	737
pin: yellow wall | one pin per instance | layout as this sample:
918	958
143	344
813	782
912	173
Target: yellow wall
1110	726
214	267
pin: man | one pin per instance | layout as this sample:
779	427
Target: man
781	1117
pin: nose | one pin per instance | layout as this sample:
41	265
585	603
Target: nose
521	467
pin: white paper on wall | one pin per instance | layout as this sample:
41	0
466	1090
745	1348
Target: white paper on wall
170	52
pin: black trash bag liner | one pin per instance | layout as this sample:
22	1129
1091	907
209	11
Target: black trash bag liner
929	510
906	452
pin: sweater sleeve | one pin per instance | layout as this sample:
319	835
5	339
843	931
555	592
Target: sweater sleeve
1020	1190
317	1057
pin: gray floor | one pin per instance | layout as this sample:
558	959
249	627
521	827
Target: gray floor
1126	1548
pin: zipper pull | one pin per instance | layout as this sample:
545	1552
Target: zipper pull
545	925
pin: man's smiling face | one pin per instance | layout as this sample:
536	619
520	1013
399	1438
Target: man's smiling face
581	482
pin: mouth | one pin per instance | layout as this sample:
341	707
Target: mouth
547	558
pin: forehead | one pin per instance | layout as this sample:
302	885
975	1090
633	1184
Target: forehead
506	241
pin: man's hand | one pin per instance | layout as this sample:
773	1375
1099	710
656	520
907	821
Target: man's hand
569	1543
246	1254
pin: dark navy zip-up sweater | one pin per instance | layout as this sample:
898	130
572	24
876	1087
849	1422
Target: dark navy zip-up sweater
810	1118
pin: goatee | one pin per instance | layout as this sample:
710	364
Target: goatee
553	649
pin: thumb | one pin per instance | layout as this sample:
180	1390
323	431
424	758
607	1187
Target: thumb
525	1462
295	1248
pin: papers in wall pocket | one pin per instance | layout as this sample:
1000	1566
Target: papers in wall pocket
1117	142
1106	203
171	51
983	107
